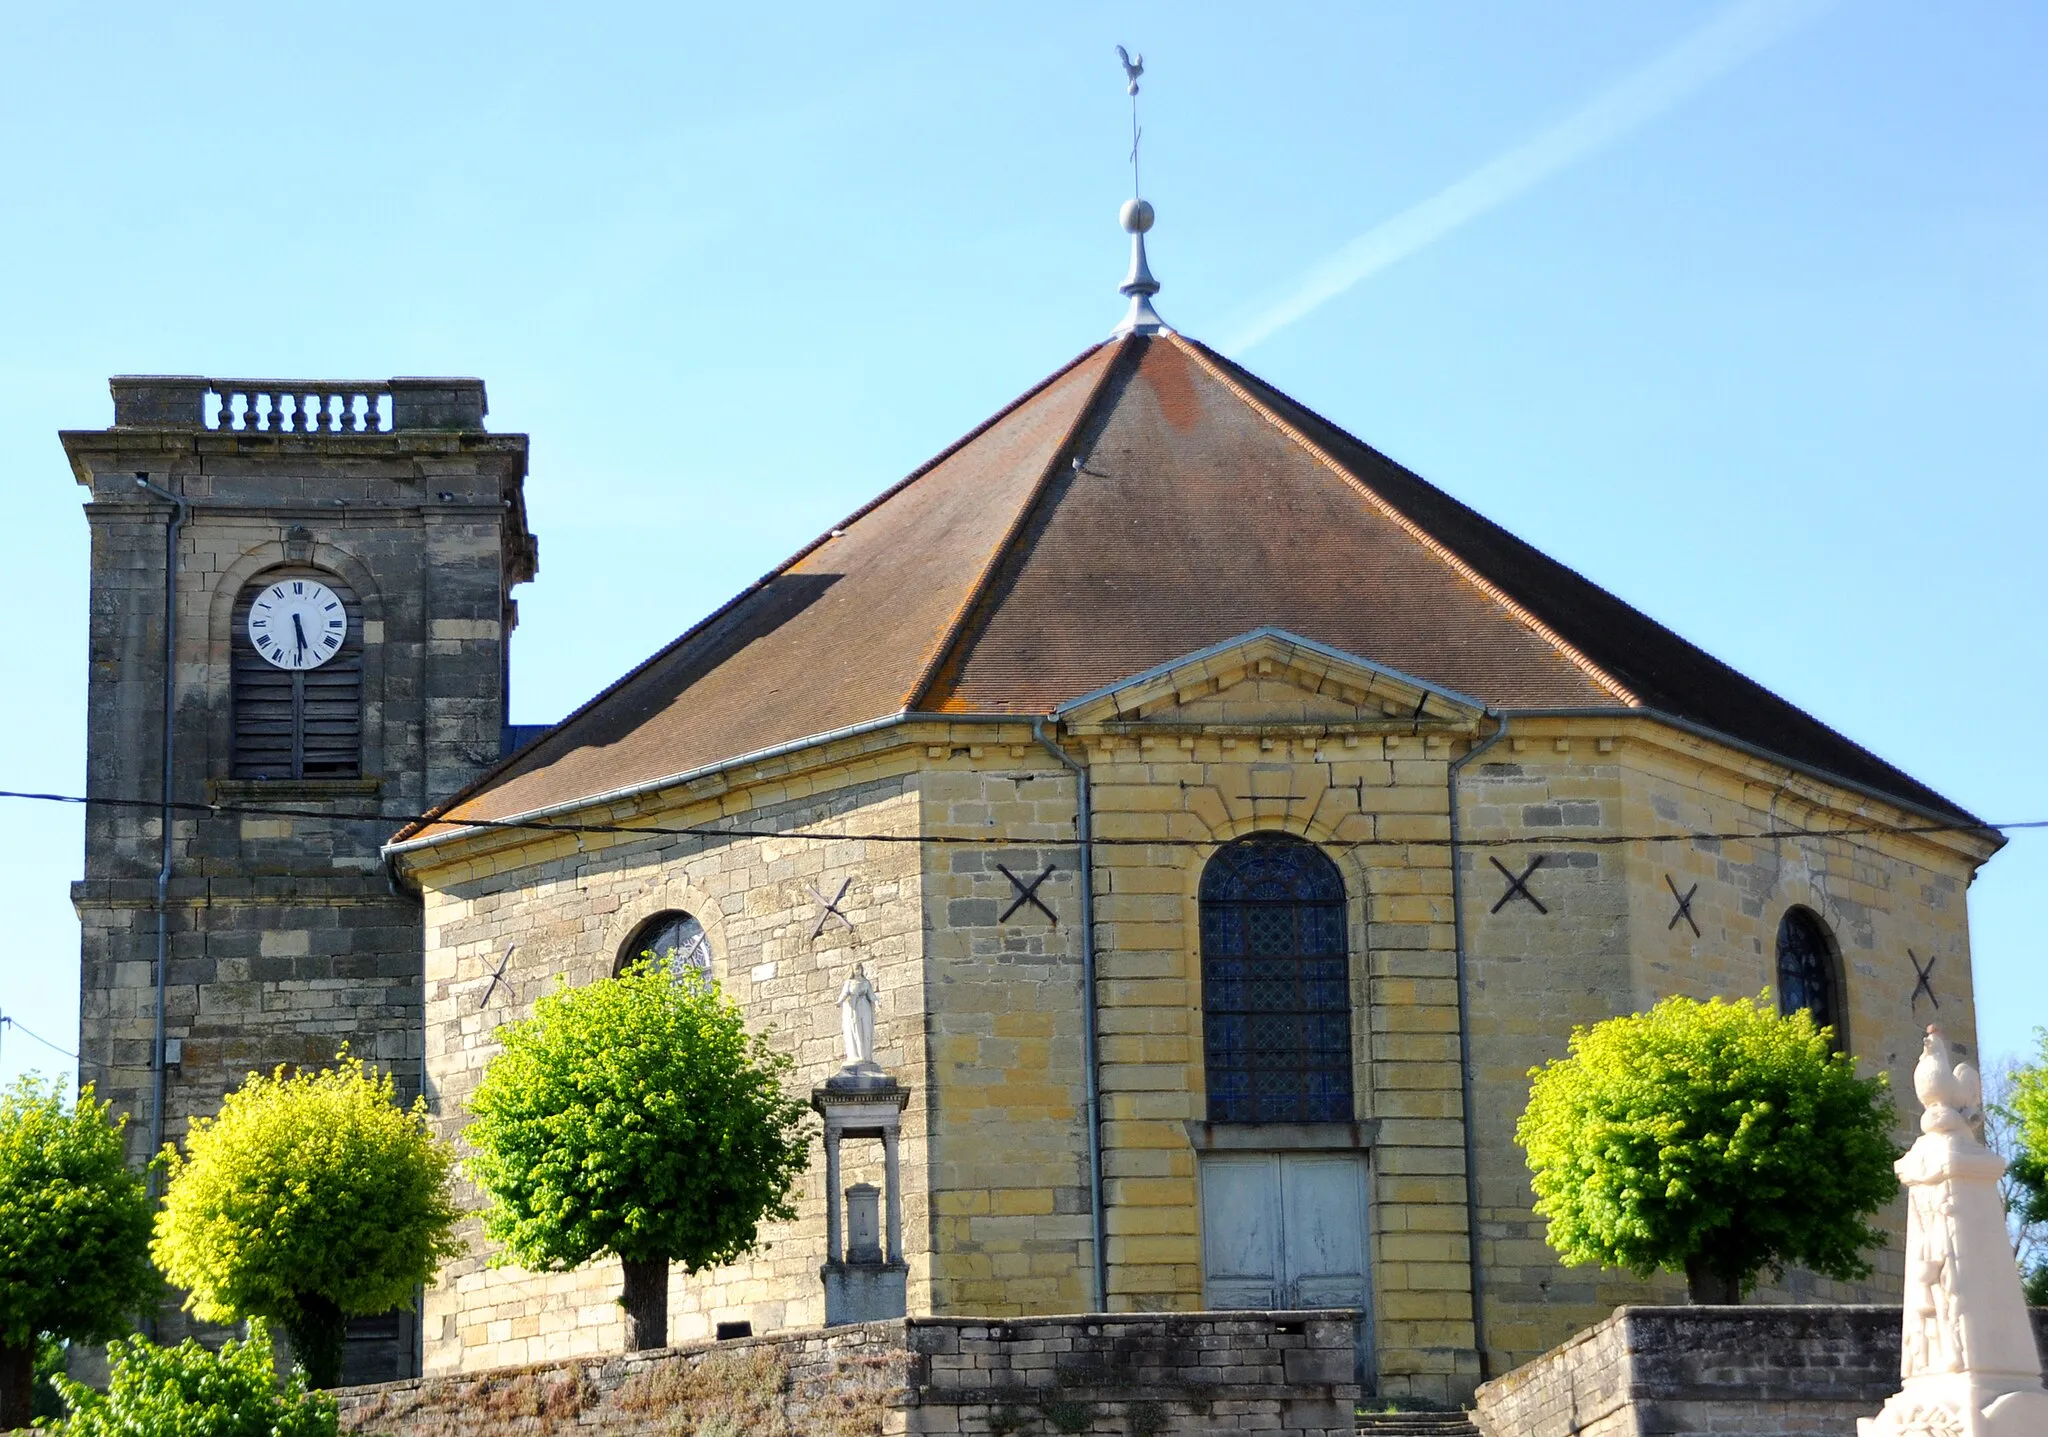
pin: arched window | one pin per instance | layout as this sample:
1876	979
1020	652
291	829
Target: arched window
1276	984
1806	970
676	940
298	698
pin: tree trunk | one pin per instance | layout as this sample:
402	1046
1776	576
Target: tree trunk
317	1338
17	1385
1706	1286
645	1298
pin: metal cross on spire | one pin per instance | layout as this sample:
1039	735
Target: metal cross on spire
1137	218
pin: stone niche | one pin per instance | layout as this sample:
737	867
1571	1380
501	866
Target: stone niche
865	1276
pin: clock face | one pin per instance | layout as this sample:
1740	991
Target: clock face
298	623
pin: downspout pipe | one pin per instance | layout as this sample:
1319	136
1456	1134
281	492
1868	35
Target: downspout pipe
180	510
1084	828
1465	1083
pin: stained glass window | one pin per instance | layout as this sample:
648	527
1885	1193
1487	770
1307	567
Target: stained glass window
1806	970
677	942
1276	984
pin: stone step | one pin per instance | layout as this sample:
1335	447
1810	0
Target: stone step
1416	1424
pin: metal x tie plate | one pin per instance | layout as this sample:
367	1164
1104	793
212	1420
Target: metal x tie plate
1028	893
831	908
1923	981
497	976
1518	886
1684	907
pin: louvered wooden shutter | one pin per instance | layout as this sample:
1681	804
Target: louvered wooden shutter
300	725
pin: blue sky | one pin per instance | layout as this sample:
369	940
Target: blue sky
1742	310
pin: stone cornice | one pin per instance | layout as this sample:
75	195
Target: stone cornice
895	737
1826	796
82	446
725	785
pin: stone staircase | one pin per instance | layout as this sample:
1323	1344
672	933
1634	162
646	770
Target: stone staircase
1416	1424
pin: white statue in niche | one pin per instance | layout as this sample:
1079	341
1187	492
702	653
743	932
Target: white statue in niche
1967	1356
857	1019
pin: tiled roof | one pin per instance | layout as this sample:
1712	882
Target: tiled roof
1006	577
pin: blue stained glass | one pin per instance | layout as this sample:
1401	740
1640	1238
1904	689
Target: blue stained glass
1276	984
1806	976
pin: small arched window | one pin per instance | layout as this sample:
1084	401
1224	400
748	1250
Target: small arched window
1806	970
676	941
1276	984
298	700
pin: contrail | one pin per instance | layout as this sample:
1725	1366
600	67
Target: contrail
1673	77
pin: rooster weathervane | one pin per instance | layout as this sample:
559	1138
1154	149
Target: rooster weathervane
1133	68
1136	217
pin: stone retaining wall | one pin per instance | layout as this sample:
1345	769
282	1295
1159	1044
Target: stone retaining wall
1133	1376
1681	1371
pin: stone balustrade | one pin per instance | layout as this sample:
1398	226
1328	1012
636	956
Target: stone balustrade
297	406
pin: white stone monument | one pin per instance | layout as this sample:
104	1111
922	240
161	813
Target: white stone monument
864	1273
857	1023
1967	1358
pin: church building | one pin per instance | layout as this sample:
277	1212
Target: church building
1226	821
1223	821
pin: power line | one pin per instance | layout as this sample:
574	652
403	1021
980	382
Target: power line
27	1032
535	825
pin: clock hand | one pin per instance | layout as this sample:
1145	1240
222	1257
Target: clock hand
299	629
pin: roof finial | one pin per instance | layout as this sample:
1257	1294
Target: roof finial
1137	218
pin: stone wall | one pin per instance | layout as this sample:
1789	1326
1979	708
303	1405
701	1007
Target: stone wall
1162	1376
576	908
1011	1230
1681	1371
1533	975
1612	942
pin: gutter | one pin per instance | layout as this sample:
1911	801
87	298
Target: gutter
1465	1081
172	529
1084	828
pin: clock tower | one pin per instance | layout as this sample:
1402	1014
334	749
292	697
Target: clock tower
301	601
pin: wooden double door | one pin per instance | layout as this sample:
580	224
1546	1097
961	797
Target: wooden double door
1285	1230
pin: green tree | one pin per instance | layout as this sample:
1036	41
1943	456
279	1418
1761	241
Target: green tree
311	1198
187	1391
74	1232
50	1354
1715	1139
635	1117
2016	1123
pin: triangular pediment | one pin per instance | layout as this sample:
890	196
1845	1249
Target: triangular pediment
1270	677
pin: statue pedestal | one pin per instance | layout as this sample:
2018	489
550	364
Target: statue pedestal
1968	1361
865	1277
864	1292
